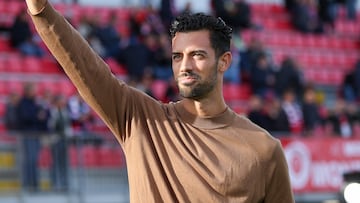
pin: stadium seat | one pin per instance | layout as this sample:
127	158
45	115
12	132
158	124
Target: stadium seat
324	77
14	7
235	92
66	87
115	67
15	85
50	66
14	63
2	108
240	107
48	86
45	158
159	88
110	156
31	64
3	87
5	45
90	156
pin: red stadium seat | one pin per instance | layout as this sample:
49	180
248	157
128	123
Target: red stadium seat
159	88
235	92
66	87
31	64
15	85
2	108
50	66
14	63
5	45
116	68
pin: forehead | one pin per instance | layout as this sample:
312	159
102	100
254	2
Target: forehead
191	40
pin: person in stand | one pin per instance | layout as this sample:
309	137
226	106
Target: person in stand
193	150
29	116
22	38
60	125
11	117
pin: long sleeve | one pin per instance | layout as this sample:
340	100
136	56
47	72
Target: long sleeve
108	96
278	188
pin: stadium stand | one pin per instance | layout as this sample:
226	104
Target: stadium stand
324	58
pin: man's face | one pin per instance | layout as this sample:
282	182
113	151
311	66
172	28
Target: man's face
194	64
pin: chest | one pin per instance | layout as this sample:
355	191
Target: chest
216	162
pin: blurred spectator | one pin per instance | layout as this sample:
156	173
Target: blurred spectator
350	88
305	17
218	7
350	6
44	101
339	119
109	37
28	114
145	84
134	27
278	121
139	49
87	28
187	8
152	22
162	56
167	12
293	111
60	126
11	109
268	114
22	38
353	111
256	112
249	56
172	91
289	5
311	112
237	13
80	114
233	73
262	76
327	10
289	76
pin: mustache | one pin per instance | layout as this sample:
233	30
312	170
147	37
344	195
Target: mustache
188	74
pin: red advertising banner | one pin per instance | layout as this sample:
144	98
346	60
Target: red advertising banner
317	164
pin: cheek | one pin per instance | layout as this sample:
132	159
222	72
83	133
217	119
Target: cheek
175	68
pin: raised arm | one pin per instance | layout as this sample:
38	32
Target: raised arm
108	96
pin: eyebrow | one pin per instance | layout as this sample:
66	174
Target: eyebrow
192	52
198	52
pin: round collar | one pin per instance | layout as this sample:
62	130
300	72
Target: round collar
219	121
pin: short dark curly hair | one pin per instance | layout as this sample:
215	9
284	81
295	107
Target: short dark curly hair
220	33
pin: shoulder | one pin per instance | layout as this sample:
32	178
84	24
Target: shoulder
257	138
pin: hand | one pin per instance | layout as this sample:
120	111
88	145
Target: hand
35	6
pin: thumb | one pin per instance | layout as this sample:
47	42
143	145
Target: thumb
35	6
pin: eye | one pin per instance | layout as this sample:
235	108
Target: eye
198	55
176	57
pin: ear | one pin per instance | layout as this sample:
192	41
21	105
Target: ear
224	61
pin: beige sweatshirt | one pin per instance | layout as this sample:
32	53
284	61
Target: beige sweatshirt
172	155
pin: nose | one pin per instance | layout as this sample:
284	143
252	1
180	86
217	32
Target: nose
186	64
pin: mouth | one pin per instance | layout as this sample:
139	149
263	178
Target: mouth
187	79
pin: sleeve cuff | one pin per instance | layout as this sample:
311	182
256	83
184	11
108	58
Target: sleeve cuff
39	11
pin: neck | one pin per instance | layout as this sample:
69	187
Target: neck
208	107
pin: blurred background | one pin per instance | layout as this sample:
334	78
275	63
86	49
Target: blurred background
296	73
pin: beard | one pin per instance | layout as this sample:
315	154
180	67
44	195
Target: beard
201	88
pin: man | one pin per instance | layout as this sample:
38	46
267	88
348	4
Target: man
30	116
194	150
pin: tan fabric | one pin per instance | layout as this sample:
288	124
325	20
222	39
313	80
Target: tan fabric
172	156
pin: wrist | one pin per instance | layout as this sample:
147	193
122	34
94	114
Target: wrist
36	6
